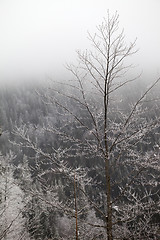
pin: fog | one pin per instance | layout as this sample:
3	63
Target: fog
38	37
79	157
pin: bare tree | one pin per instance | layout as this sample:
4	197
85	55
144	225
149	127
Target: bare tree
104	70
110	133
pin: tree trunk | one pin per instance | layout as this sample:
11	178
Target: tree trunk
75	199
109	206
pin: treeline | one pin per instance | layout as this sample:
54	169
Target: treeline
45	156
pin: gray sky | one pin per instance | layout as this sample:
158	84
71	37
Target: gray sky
37	37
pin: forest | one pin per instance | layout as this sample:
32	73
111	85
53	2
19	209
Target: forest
79	158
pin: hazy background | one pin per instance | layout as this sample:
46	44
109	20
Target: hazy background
37	37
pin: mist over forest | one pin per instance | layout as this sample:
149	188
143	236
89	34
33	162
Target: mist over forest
79	157
28	115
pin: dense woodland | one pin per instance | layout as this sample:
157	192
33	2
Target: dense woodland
79	161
